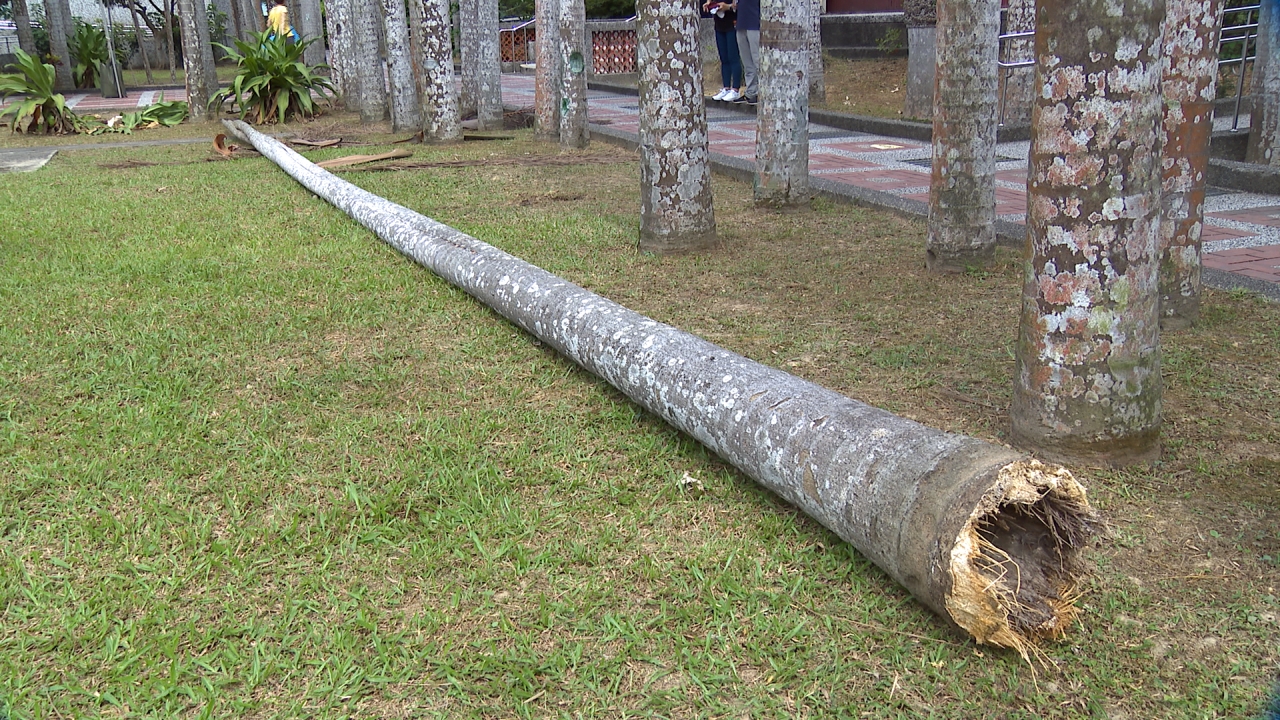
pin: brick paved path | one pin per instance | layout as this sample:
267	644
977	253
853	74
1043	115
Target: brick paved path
1241	233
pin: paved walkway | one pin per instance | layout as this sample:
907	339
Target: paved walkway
1241	233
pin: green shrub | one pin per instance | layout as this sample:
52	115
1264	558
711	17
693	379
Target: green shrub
42	108
272	83
163	112
88	47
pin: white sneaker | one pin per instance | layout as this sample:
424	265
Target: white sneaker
720	95
731	95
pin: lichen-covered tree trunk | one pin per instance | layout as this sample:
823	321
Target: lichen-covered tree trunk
210	75
546	78
782	118
980	534
817	71
468	55
573	88
193	59
22	20
142	45
169	40
337	22
406	110
1264	127
922	61
368	65
676	214
489	68
311	27
1190	81
1018	84
254	20
962	191
1087	386
55	10
439	90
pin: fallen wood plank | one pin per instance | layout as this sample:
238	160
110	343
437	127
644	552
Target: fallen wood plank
361	159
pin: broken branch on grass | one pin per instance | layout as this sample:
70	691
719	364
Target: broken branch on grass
362	159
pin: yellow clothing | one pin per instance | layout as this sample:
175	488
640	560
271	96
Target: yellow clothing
278	21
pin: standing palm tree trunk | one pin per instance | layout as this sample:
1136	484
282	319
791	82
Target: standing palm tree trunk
546	79
1191	43
312	28
782	123
440	119
469	33
817	71
1018	91
22	19
1087	387
962	191
168	40
489	64
193	59
573	90
57	16
372	99
406	112
1264	127
676	213
142	45
342	51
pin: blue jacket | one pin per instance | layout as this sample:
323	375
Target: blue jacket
748	14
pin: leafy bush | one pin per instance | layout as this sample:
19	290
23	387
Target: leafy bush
272	83
88	48
42	108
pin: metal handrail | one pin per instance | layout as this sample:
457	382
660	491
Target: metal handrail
1008	67
1249	28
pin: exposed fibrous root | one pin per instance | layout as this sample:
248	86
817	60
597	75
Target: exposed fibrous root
1015	566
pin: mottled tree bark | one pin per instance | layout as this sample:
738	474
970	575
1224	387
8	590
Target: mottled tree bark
440	119
368	66
1264	126
962	191
817	71
782	119
546	79
1018	84
980	534
169	40
1088	385
1190	78
489	64
210	75
237	19
22	19
142	45
406	109
922	60
57	15
342	51
573	88
193	59
676	213
311	27
254	20
469	32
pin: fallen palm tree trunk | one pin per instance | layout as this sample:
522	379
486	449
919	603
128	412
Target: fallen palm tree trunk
981	534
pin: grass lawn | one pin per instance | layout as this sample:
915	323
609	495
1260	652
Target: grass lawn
257	465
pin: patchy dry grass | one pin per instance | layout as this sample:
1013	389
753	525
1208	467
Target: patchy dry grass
258	465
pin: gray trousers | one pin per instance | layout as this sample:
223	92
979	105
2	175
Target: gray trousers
749	51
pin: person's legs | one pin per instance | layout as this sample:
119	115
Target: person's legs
750	54
734	74
723	41
748	61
